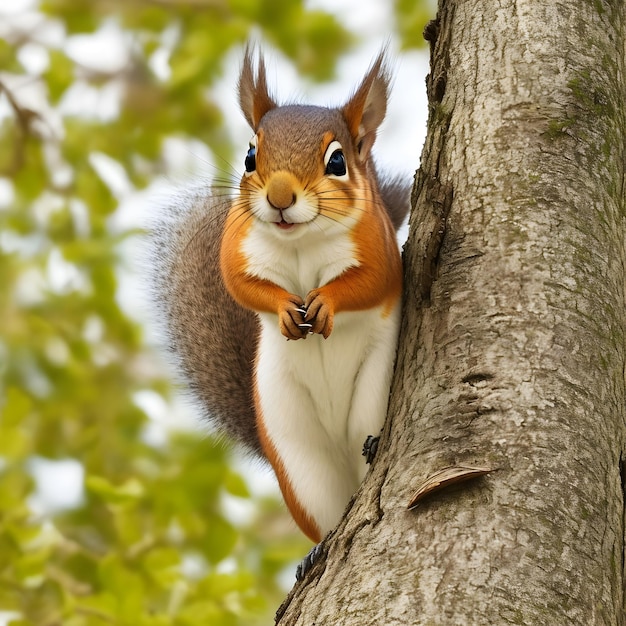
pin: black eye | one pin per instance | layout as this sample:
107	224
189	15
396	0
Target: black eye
250	161
336	165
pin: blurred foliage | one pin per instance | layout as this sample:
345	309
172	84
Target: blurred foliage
411	18
149	543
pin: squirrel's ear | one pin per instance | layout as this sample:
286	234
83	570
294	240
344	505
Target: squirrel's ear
367	107
254	98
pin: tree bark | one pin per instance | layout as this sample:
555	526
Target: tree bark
512	346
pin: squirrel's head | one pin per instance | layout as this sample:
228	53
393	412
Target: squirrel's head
308	161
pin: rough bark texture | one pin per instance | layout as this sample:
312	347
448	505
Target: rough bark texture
512	349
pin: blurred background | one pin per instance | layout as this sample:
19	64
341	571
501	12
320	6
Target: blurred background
116	505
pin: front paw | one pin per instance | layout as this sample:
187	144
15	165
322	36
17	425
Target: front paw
290	318
320	312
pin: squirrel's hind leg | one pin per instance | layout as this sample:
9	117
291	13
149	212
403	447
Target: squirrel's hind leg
315	480
313	472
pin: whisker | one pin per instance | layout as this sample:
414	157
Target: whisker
212	219
244	216
330	203
206	225
339	204
330	218
231	173
317	225
231	167
349	197
323	208
371	200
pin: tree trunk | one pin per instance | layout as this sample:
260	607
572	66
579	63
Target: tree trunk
512	347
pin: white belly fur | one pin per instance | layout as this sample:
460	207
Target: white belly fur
320	399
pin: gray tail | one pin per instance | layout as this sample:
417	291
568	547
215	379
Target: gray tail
212	338
396	194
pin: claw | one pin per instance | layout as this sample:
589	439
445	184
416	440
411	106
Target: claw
370	447
309	561
301	311
305	326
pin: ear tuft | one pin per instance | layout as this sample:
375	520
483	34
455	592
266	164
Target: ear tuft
254	98
366	109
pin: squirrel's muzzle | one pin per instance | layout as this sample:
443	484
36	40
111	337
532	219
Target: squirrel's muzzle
280	190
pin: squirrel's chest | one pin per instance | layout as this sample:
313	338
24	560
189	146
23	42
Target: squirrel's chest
298	265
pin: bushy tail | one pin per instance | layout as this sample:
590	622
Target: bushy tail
212	338
396	194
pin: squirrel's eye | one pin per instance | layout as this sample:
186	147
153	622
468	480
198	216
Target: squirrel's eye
250	161
336	165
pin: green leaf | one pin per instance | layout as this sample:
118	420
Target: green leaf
411	18
205	612
220	540
236	485
129	492
60	74
162	565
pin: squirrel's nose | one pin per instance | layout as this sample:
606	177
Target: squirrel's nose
280	191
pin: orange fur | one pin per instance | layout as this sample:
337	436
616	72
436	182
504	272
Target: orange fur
251	292
378	277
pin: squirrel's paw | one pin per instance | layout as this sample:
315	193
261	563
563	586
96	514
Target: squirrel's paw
320	312
290	318
370	447
309	561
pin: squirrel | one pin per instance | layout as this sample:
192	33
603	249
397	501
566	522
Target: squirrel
281	302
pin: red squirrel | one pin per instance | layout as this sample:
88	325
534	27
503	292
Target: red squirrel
282	303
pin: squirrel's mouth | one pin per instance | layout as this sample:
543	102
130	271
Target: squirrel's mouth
283	225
